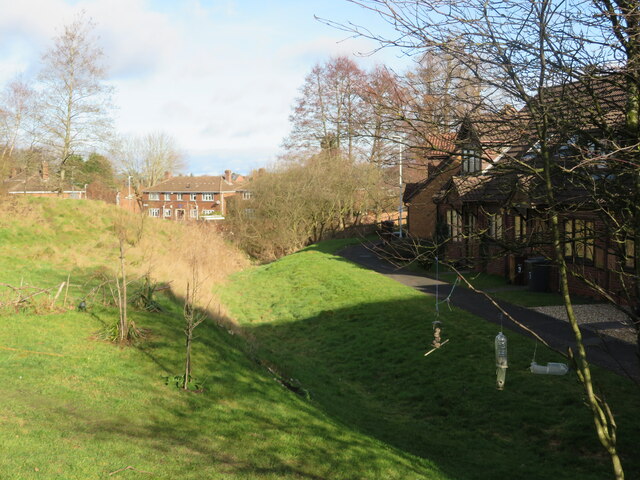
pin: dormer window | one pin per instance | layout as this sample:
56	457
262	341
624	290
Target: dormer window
471	161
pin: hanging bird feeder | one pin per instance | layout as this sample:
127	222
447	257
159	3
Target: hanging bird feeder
551	368
501	360
437	337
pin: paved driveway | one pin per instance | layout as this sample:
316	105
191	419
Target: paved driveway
602	350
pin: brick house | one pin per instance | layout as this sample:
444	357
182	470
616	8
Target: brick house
474	148
42	184
192	197
497	225
496	221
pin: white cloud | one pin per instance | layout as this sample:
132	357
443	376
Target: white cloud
218	76
137	41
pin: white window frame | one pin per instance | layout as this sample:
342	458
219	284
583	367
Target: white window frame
208	212
470	222
207	197
154	212
579	238
167	197
154	196
629	253
496	225
166	212
454	222
193	213
193	197
519	227
246	195
471	162
178	196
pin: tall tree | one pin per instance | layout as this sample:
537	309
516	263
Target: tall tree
329	108
531	54
148	157
16	119
75	101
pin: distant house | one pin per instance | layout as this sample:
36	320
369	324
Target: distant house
42	184
192	197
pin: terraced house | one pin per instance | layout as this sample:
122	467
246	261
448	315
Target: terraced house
42	184
490	210
183	198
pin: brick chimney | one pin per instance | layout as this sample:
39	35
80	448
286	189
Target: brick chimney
167	175
227	176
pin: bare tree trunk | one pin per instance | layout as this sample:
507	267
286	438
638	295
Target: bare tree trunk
602	415
122	294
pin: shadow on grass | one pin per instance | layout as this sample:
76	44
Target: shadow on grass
365	366
378	408
245	424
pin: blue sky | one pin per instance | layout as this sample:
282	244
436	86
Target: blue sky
220	76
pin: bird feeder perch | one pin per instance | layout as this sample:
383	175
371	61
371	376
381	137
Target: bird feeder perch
437	337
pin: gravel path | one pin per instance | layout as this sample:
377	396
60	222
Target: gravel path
602	318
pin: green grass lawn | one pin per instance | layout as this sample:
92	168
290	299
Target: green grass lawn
498	288
94	408
75	407
356	341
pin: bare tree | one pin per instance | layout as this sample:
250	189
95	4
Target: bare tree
193	317
128	230
301	202
75	99
329	108
147	158
530	54
16	119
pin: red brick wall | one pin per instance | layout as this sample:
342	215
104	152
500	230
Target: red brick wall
187	204
422	211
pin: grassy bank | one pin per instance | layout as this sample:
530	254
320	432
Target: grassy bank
356	341
76	407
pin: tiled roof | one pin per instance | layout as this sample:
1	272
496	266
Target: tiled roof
202	183
23	182
438	144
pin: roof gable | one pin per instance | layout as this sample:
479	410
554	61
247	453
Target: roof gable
196	184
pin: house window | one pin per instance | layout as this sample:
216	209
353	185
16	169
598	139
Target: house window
629	253
193	213
246	195
579	240
249	212
454	225
208	212
470	224
193	197
519	228
207	197
471	162
167	197
178	196
154	196
496	225
154	212
539	229
167	213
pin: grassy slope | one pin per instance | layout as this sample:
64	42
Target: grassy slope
77	408
356	341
